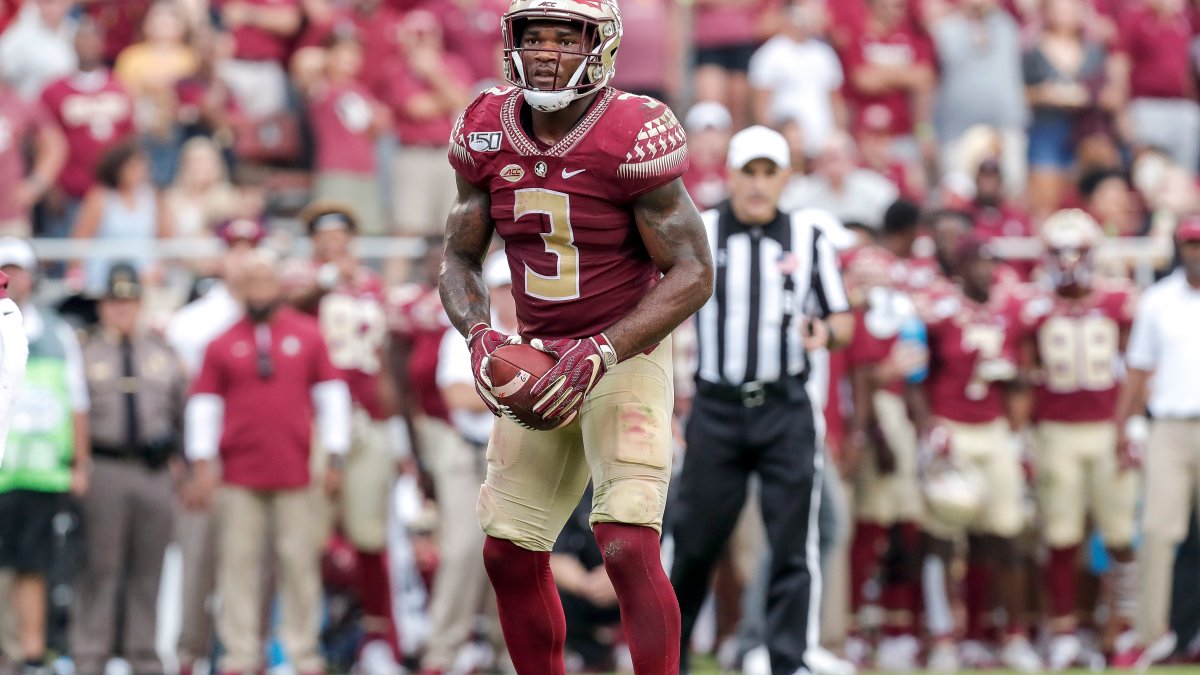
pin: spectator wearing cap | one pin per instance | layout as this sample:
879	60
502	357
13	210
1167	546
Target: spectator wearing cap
36	48
346	119
136	387
652	40
189	333
271	365
726	33
123	206
47	458
455	458
95	112
797	76
24	119
875	153
1153	62
838	185
1163	378
708	127
1065	81
888	63
262	33
428	87
978	47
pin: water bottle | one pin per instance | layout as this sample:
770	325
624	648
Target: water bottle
912	338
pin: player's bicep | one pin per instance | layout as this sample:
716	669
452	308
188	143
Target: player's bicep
469	226
671	228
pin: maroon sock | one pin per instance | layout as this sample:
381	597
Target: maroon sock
1060	581
978	599
531	613
375	596
866	548
649	610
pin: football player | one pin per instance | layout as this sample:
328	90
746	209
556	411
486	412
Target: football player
881	435
972	362
608	255
1075	334
348	301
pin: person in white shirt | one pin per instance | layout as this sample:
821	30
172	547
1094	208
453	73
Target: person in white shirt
796	76
459	465
1163	364
38	47
838	185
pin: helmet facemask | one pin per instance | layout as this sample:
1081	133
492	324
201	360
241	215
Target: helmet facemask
1070	267
598	44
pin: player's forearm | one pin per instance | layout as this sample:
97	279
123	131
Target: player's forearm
82	438
918	407
468	234
464	294
680	294
1132	399
1019	406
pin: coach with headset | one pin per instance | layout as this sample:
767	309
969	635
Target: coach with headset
778	295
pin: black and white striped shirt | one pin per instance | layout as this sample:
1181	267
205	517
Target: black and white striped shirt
767	279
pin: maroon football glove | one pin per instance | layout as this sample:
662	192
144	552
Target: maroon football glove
482	341
581	364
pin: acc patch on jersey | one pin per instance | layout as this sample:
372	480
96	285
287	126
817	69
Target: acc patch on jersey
484	141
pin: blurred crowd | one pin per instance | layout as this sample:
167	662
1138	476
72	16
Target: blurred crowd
246	127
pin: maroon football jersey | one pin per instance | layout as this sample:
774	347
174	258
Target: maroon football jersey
968	343
354	325
1077	345
566	212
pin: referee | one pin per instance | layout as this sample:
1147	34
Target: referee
778	294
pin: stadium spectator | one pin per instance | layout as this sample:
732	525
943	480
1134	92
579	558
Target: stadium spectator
1107	196
1153	58
36	48
997	215
262	33
123	206
1162	367
874	149
202	194
888	63
376	25
797	76
47	457
21	189
346	118
271	365
120	20
1064	73
95	112
136	386
653	40
460	589
469	27
839	186
708	128
978	48
206	106
429	86
725	34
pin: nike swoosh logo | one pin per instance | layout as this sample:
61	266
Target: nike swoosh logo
567	174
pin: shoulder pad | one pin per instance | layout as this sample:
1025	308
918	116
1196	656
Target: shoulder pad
467	132
660	143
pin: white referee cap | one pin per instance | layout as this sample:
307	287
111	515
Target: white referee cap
758	142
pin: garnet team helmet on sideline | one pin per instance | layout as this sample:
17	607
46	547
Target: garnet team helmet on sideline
600	23
1069	236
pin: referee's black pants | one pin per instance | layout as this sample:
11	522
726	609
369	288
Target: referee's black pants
726	441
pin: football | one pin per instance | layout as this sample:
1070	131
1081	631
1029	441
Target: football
514	369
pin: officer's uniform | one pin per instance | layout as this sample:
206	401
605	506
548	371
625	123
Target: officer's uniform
136	385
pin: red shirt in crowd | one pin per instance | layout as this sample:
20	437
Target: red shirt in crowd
379	33
19	120
966	338
252	43
1159	53
604	164
341	116
1007	220
899	46
268	422
417	319
733	24
1078	344
122	22
404	84
469	29
95	113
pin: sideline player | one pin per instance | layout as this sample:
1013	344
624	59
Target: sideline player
608	255
1074	336
347	299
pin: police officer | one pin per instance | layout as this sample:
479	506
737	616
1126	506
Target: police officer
136	384
778	295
